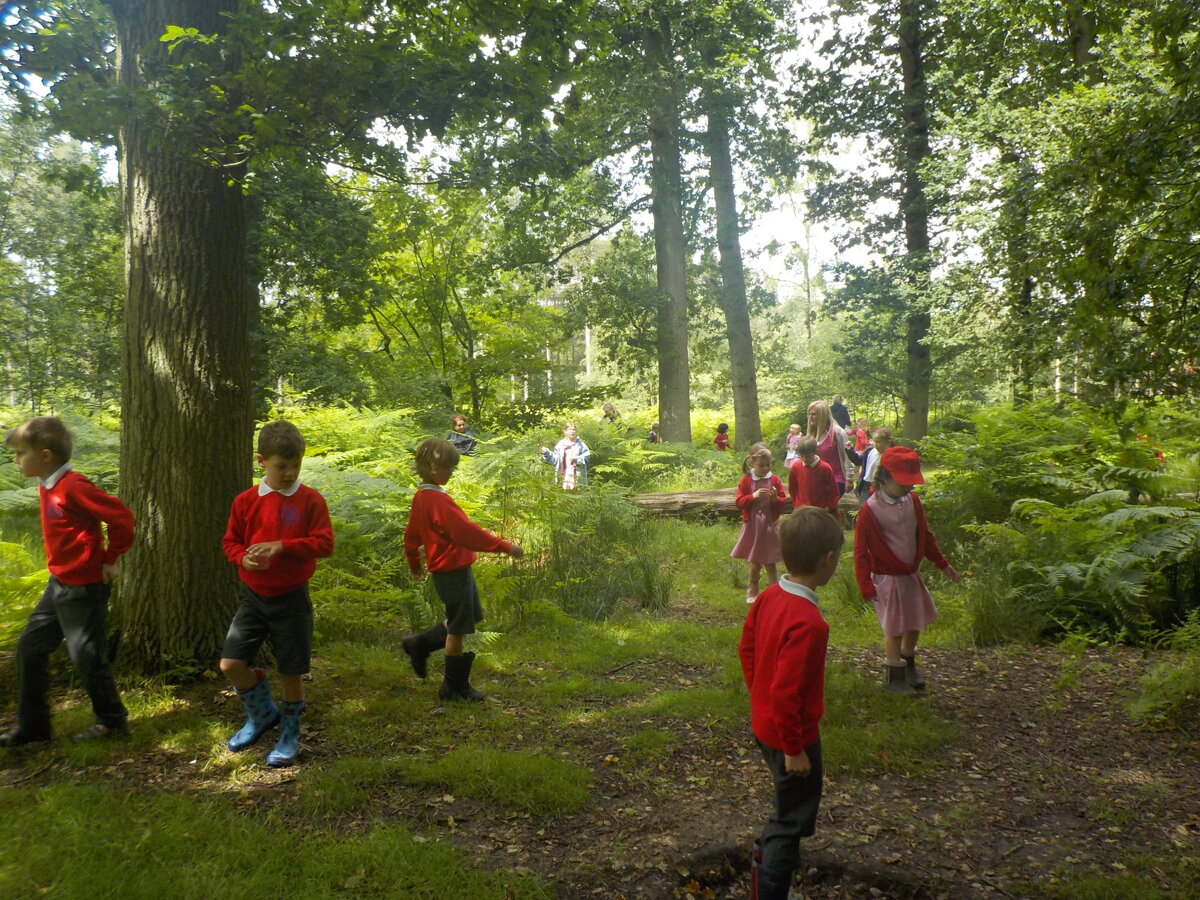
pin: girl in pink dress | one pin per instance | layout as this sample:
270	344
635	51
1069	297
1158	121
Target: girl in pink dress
890	540
761	498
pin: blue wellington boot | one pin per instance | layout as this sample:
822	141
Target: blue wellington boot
287	748
261	714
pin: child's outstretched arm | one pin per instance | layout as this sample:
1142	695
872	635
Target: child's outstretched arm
862	555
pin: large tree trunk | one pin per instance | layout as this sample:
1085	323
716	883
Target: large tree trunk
747	424
914	207
670	246
186	419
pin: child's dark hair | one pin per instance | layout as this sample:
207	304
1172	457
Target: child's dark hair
44	433
883	432
435	453
723	428
807	536
806	447
280	438
756	450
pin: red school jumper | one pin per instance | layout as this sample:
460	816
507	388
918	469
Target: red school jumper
449	537
782	650
745	496
872	553
300	522
72	512
813	486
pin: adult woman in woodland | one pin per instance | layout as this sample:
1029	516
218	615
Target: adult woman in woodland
569	458
831	442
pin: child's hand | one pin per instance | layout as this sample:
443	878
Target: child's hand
109	571
516	551
798	765
762	492
950	574
265	550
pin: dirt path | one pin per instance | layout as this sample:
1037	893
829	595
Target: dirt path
1046	777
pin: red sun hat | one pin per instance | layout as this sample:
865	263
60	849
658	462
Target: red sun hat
903	464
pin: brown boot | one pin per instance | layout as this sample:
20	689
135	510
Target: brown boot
895	682
911	673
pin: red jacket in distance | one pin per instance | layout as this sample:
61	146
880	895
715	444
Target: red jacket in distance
300	522
72	513
782	651
722	441
745	496
449	537
872	553
813	486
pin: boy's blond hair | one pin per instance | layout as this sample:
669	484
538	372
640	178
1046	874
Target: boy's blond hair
806	447
806	536
44	433
435	453
280	438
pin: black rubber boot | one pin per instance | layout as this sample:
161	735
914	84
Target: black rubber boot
20	738
457	685
773	884
912	674
419	646
895	681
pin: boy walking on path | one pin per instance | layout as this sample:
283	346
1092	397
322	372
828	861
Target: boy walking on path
74	605
277	531
782	651
451	541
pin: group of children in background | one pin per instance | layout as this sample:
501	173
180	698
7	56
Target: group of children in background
279	528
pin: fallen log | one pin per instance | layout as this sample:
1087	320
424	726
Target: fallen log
717	504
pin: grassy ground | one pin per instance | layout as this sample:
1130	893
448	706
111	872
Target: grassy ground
596	734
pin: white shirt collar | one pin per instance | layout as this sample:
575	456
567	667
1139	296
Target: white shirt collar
812	465
53	478
799	590
892	501
426	486
264	488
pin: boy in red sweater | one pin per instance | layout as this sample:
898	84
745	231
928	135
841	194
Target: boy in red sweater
811	481
783	660
75	603
277	531
450	540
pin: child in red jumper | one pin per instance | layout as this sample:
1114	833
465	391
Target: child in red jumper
890	540
783	661
811	481
75	603
277	531
450	540
761	499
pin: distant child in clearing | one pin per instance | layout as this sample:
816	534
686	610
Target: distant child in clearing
811	482
74	604
791	442
462	437
760	497
783	661
722	438
276	533
450	540
890	541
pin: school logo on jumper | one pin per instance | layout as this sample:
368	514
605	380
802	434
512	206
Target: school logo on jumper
53	510
289	515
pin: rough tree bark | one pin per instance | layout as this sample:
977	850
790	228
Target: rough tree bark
186	415
670	245
732	293
914	207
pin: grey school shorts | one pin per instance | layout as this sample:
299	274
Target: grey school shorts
287	619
